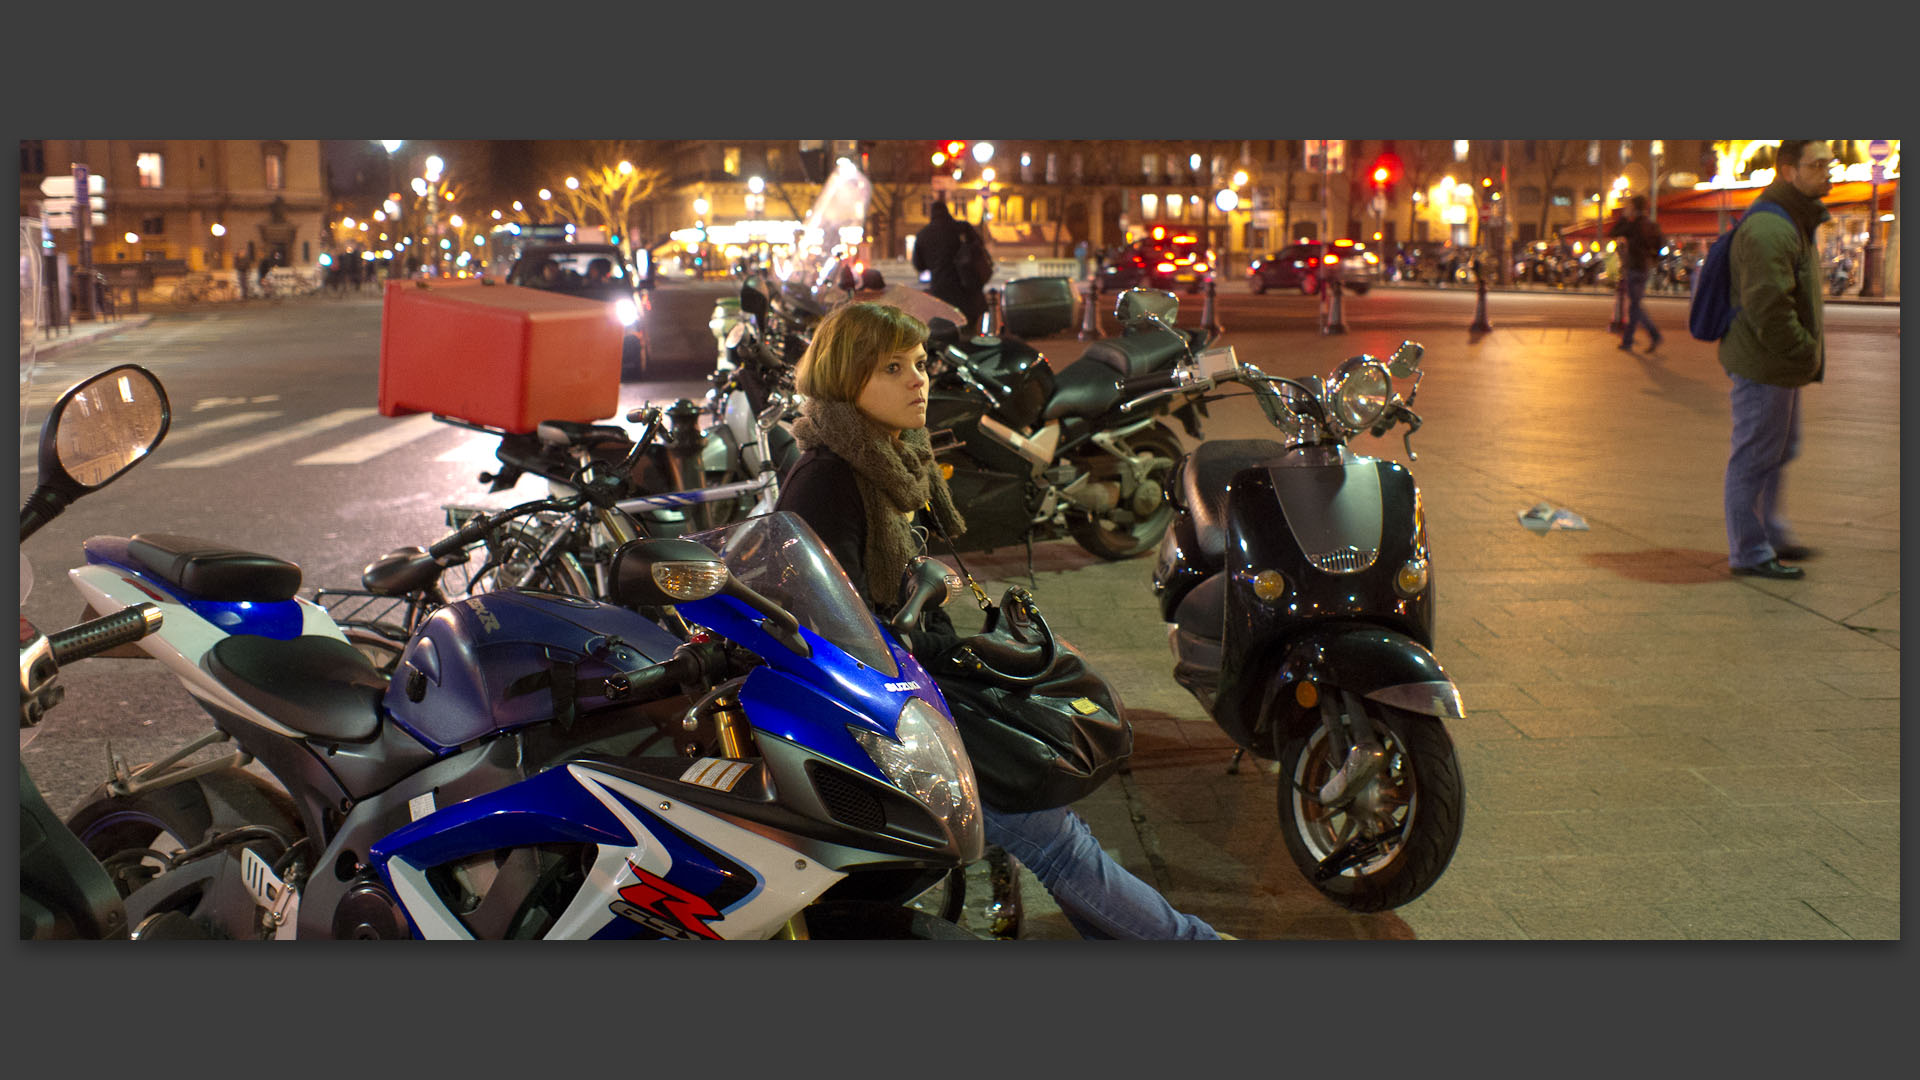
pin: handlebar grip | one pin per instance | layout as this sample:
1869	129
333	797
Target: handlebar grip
461	537
123	627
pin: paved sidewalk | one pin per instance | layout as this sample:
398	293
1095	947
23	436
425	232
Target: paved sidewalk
42	345
1653	748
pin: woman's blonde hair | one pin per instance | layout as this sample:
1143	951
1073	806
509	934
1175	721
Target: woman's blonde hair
848	346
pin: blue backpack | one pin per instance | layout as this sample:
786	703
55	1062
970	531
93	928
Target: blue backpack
1711	314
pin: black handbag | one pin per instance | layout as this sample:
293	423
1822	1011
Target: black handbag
1042	727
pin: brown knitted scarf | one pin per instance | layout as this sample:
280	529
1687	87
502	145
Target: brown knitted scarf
895	476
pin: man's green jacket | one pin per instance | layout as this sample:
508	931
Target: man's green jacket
1776	335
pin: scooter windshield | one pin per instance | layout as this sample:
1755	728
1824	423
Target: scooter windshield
778	556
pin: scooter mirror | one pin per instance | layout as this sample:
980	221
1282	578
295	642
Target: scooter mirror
736	335
1142	303
1405	361
927	581
101	427
753	301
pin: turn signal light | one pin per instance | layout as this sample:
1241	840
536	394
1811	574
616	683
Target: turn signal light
1269	585
1412	578
1307	694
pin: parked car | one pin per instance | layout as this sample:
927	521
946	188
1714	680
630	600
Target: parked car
570	268
1300	266
1170	261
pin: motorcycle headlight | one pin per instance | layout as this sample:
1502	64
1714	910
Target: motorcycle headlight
626	311
929	763
1362	396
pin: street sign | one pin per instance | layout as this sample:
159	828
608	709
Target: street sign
1379	204
61	187
64	219
1879	173
65	205
1878	150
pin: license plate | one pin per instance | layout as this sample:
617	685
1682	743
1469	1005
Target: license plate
1183	277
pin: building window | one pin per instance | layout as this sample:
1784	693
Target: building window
1562	196
33	157
730	161
1149	207
1053	167
153	226
1079	166
1533	149
275	170
1147	163
1528	195
151	173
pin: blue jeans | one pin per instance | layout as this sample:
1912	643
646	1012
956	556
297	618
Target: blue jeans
1098	896
1637	315
1766	435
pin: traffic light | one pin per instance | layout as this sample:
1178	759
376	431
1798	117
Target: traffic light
948	154
1385	172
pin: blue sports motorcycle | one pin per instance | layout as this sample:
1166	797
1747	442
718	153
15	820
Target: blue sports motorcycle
540	765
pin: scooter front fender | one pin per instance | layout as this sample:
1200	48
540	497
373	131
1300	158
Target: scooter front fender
1376	663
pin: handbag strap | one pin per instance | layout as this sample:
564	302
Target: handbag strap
979	594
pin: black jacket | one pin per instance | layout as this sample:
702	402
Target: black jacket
933	250
1643	241
820	489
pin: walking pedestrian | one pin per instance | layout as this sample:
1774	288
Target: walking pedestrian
1774	347
242	270
950	251
1641	245
866	472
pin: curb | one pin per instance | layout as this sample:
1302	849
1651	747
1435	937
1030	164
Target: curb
73	339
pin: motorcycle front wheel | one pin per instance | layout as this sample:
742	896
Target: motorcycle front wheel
1393	841
1125	532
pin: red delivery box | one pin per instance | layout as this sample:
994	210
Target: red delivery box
500	356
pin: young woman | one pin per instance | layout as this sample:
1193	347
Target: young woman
866	469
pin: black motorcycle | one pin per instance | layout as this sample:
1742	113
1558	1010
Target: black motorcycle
1038	454
1297	577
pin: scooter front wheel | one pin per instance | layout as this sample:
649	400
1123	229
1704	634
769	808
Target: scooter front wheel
1395	838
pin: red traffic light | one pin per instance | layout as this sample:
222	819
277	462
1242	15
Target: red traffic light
1386	170
955	147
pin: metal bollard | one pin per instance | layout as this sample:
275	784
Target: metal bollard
1209	318
990	320
1333	319
1480	323
1619	322
1090	317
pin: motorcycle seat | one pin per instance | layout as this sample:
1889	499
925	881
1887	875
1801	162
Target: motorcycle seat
574	433
1138	353
1200	483
1084	390
320	686
213	571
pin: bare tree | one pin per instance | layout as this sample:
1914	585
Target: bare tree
895	176
1556	158
608	185
1422	161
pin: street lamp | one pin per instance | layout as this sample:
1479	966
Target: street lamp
983	152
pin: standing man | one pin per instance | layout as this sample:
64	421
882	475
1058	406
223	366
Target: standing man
242	267
1773	348
1642	243
953	274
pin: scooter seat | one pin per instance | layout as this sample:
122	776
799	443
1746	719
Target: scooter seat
1200	487
1084	390
213	571
320	686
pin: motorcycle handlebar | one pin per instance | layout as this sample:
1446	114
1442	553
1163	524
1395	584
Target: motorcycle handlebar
96	636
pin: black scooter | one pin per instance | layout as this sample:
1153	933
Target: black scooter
1298	583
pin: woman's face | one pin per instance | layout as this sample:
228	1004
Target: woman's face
895	396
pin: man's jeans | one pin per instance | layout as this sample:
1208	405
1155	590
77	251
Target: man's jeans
1766	435
1637	315
1098	896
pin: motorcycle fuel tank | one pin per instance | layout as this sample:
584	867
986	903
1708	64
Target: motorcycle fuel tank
488	663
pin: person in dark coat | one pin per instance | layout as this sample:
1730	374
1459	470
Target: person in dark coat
866	475
933	252
1642	247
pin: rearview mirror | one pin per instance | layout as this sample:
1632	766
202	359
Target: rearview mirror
1141	303
753	301
736	335
660	573
1405	361
101	427
927	581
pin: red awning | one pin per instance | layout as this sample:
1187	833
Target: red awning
1698	213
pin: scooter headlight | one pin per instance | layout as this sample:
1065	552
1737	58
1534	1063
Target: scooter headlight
1362	395
929	763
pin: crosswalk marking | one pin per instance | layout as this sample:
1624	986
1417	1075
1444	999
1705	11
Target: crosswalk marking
373	445
479	448
248	447
231	420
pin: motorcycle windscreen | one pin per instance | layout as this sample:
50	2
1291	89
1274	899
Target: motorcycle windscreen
778	556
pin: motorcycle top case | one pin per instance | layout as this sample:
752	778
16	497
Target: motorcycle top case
501	356
488	663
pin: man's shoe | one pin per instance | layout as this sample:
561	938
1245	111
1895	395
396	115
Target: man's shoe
1625	347
1772	568
1794	552
1655	343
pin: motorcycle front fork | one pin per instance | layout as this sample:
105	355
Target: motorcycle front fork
1351	728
